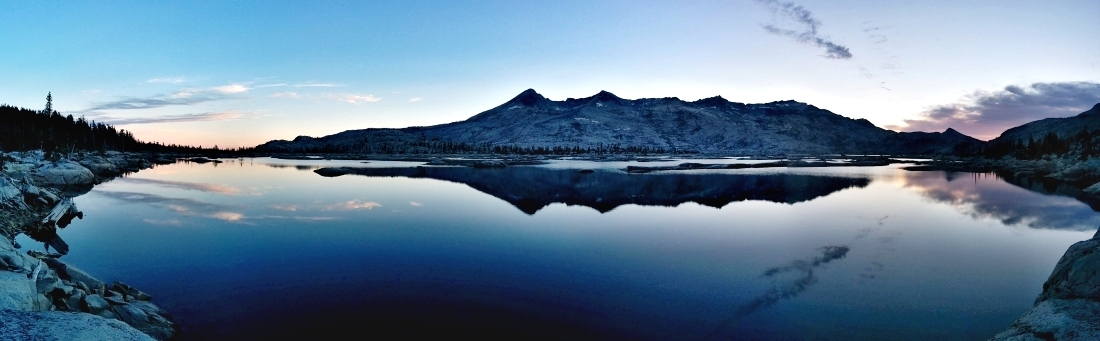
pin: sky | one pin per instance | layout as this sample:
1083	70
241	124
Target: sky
240	73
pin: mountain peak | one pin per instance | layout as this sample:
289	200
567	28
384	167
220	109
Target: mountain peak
528	97
951	131
1094	111
606	96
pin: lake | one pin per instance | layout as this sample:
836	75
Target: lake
266	248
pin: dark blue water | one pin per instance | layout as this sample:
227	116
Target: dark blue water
265	248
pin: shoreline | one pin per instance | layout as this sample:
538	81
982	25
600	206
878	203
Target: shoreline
43	297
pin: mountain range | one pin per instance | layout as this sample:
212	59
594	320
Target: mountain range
605	122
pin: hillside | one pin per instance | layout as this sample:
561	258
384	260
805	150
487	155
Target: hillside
1063	126
604	122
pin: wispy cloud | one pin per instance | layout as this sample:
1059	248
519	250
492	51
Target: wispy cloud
415	99
285	94
270	85
875	34
170	80
986	114
231	88
317	85
353	98
187	96
415	204
807	28
206	116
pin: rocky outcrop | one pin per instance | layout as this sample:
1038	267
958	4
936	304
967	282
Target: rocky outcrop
64	326
1069	306
63	173
37	287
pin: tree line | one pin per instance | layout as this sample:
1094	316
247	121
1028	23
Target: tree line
1081	146
24	129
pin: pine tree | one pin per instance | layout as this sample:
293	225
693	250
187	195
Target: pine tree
49	103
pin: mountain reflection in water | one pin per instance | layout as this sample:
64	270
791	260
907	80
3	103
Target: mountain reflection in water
532	188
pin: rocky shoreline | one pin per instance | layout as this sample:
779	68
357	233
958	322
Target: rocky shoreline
1069	306
43	297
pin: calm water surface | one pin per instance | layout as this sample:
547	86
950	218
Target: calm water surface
263	248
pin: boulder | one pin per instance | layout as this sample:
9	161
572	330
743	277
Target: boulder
75	301
71	302
63	173
42	303
11	195
82	279
1069	306
1056	319
1094	189
16	292
115	300
146	317
100	166
130	292
95	304
54	325
47	281
1076	275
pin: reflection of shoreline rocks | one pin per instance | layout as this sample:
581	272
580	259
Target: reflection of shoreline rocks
1069	306
42	297
532	188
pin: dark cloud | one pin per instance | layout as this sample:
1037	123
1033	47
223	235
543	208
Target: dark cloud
807	31
985	114
804	271
206	116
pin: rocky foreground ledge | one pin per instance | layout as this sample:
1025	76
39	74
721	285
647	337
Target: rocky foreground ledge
41	296
1069	306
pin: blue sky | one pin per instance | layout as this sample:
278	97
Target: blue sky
241	73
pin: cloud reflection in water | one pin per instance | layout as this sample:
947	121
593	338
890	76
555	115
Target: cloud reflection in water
209	188
983	196
804	271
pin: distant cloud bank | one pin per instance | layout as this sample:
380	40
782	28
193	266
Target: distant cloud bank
986	114
807	31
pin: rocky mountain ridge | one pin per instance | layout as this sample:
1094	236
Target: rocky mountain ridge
1062	126
605	122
